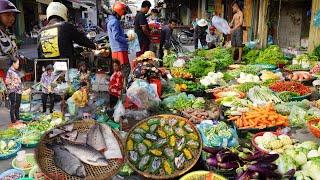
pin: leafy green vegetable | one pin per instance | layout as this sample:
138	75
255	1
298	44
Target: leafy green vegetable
285	163
9	133
221	56
286	96
169	59
271	55
316	51
251	56
199	66
179	102
312	168
295	67
245	87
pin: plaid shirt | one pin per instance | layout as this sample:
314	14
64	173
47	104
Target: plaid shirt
13	81
46	80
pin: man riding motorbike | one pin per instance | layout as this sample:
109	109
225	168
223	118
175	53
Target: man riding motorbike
56	39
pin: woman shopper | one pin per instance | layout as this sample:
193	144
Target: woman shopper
14	88
8	47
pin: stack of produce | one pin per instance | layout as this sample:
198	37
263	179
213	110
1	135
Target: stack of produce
272	143
7	147
291	87
181	73
213	79
271	55
198	115
300	76
244	78
262	96
160	146
269	75
183	101
236	106
260	117
199	66
217	134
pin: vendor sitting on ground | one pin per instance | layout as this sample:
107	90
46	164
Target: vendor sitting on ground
116	83
81	99
84	73
146	69
47	80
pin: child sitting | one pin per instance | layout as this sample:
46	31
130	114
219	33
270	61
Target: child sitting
116	83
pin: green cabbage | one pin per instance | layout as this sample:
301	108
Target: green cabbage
312	169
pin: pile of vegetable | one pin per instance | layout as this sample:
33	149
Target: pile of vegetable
244	78
183	101
190	86
305	60
217	134
269	75
295	67
181	73
251	56
7	147
260	117
198	115
304	158
40	126
236	106
213	79
9	133
221	56
262	95
199	66
227	92
245	87
169	59
271	55
287	96
273	143
291	87
315	70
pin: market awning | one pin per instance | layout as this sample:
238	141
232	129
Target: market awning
44	1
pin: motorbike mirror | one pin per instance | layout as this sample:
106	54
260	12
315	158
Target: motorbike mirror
91	35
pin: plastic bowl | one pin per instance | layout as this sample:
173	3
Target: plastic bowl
13	154
315	131
11	171
30	159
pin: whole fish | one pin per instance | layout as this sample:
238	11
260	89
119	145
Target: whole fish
70	136
68	127
81	138
55	132
68	162
113	150
87	154
95	139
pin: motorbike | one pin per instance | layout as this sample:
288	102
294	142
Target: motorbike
185	36
99	59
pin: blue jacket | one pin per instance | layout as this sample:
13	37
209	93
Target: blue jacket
117	38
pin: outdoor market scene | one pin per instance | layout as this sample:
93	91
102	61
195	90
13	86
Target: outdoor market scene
189	90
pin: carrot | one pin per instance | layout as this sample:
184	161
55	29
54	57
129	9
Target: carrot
233	118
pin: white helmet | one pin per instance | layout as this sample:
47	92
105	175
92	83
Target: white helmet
57	9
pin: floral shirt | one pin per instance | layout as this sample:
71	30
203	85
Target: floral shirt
116	84
46	80
146	71
13	81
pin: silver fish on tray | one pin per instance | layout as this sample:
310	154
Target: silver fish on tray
68	127
68	162
113	150
87	154
95	138
55	132
70	136
81	138
178	161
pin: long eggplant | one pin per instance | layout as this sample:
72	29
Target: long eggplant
246	175
262	165
212	161
289	174
227	156
268	158
211	150
254	156
263	171
228	165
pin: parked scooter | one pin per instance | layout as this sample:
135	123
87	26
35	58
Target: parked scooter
185	36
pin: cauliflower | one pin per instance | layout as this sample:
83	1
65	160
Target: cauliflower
205	82
300	158
270	136
312	169
285	163
275	144
313	154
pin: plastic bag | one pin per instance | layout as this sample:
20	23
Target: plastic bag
134	45
119	111
72	108
221	24
143	95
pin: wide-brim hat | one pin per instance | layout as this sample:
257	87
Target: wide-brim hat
148	55
202	23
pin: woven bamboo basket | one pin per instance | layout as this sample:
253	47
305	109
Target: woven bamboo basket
44	157
161	175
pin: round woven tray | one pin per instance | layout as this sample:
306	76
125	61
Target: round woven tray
195	153
44	158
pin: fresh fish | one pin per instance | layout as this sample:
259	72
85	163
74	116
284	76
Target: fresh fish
155	165
95	138
133	156
81	138
87	154
70	136
113	150
68	127
151	137
180	144
55	132
68	162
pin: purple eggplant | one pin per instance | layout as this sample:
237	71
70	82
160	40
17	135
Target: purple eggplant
212	161
290	174
264	171
228	165
254	156
246	175
224	156
262	165
268	158
211	150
